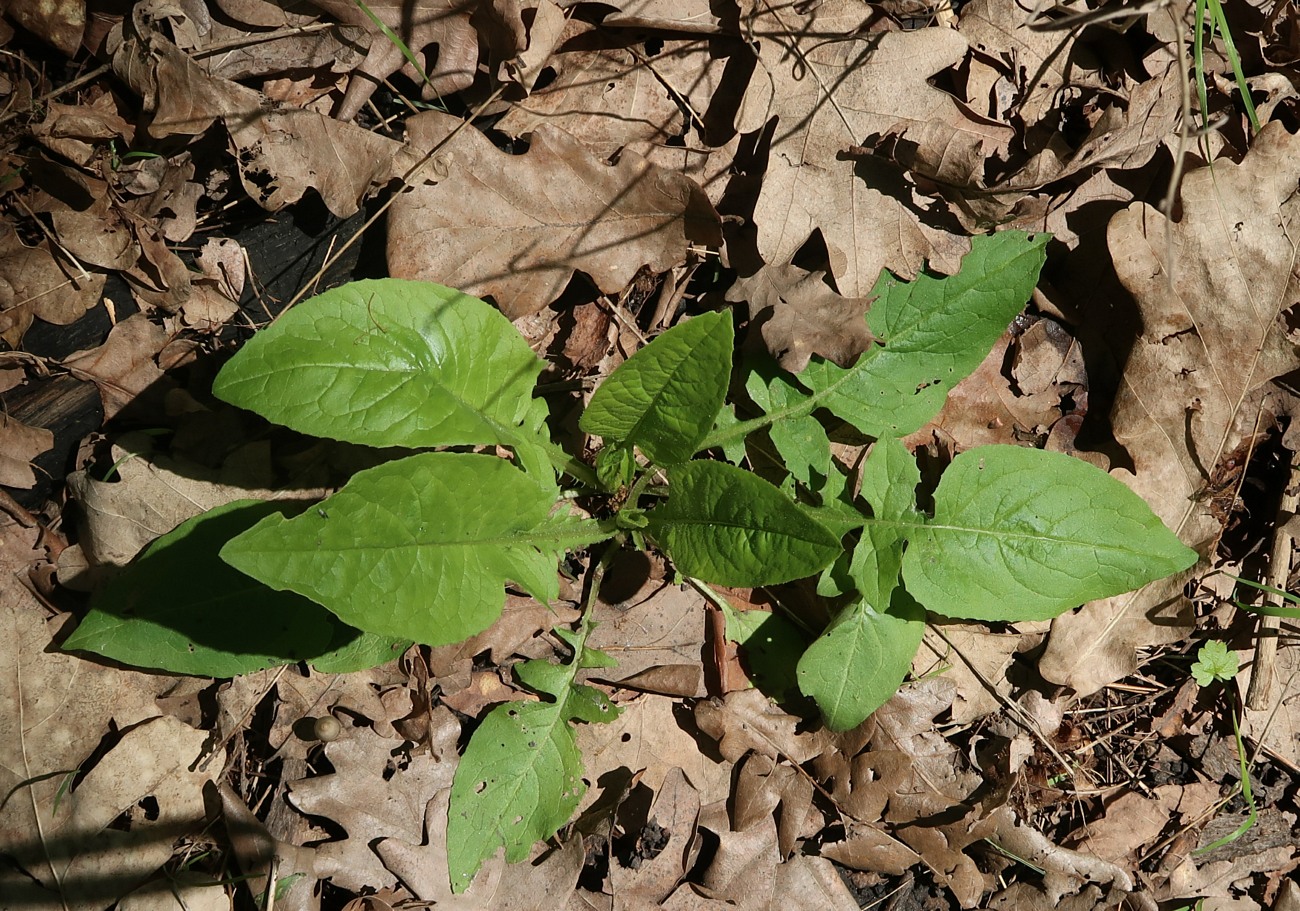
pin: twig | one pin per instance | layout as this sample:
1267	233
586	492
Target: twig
1260	693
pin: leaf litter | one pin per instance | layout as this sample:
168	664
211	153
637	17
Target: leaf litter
623	164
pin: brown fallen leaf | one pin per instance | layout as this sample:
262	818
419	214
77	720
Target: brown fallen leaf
424	870
54	712
675	812
37	283
828	96
764	784
124	367
422	25
1039	63
609	94
151	494
283	151
517	227
374	794
659	628
648	740
800	314
19	444
1207	338
747	720
59	22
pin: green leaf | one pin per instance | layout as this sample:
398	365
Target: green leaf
725	525
770	647
801	441
353	650
889	479
859	661
180	609
419	548
734	448
390	363
521	776
1214	662
935	332
518	782
665	397
1022	534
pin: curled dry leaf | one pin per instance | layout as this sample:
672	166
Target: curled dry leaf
283	151
1208	336
19	444
518	227
422	25
37	283
124	367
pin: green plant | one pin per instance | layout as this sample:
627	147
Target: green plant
1210	13
421	547
1214	662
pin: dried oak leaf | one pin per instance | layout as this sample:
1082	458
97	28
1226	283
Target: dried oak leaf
540	884
747	720
800	315
676	811
518	226
423	25
1207	338
283	151
827	96
19	444
649	741
613	97
373	794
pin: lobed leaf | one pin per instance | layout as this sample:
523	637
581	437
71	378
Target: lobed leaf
1023	534
419	548
390	363
801	441
665	398
725	525
934	332
520	778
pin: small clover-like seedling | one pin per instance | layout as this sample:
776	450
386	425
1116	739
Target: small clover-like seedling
1214	661
421	548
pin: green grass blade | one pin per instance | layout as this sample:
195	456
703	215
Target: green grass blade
396	40
1234	60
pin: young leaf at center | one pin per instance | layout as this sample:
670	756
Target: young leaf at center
664	398
725	525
